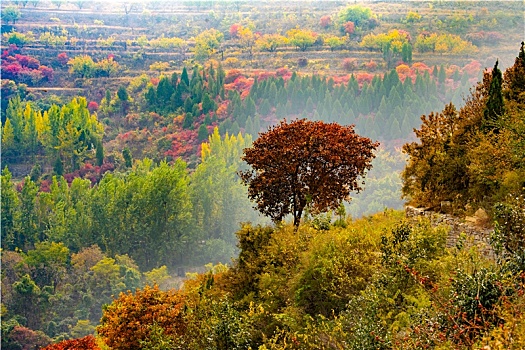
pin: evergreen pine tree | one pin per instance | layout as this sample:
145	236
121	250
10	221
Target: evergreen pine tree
256	126
208	104
494	108
249	106
58	167
248	128
151	98
188	121
128	158
442	75
99	154
188	105
202	133
435	71
265	107
184	77
174	80
235	128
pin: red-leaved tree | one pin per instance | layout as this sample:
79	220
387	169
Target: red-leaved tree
86	343
305	163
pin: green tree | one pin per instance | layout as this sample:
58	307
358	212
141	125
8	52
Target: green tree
82	66
202	133
207	43
494	109
10	212
300	38
99	153
128	159
11	14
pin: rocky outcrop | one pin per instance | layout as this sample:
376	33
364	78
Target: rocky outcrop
473	227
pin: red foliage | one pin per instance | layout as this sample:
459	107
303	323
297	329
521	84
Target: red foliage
472	68
22	59
488	38
92	106
278	188
343	79
28	339
33	63
90	172
86	343
111	56
47	72
62	58
325	21
420	67
184	144
283	72
405	34
349	64
11	71
45	186
349	27
234	30
362	77
22	68
13	49
264	75
154	81
371	66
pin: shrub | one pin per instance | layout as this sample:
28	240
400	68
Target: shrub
131	318
350	64
325	21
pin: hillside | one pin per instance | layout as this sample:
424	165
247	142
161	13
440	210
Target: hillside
127	131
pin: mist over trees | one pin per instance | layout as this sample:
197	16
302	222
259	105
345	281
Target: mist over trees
123	130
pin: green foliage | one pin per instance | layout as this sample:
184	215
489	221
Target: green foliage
11	14
468	155
301	38
207	43
357	14
494	108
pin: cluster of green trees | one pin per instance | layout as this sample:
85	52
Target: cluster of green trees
157	214
151	217
193	96
380	283
386	109
472	156
69	134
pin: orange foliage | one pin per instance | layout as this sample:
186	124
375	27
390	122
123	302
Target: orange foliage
341	79
420	68
451	69
86	343
362	77
154	81
232	75
128	320
371	66
403	69
222	111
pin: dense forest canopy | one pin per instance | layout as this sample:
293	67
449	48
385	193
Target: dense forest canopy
123	131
